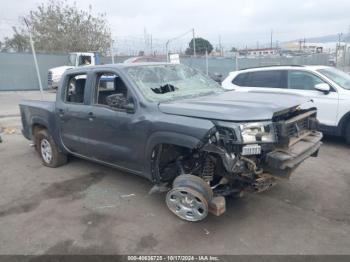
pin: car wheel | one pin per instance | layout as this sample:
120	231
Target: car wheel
48	151
195	183
187	203
347	133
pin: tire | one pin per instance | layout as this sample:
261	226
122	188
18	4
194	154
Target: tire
48	150
187	203
195	183
347	133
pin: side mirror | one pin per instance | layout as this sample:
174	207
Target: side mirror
120	101
323	87
130	107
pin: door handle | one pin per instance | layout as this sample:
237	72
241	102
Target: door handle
91	116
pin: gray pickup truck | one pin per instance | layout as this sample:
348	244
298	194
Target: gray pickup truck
176	127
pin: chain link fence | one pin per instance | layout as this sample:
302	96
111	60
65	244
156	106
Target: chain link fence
17	71
220	65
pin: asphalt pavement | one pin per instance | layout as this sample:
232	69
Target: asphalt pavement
86	208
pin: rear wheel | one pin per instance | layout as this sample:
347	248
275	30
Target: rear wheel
47	149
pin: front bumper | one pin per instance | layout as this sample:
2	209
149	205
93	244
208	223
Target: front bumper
282	161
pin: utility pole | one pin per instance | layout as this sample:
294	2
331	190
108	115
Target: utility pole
112	53
35	60
271	38
220	46
337	49
194	43
167	50
206	62
236	61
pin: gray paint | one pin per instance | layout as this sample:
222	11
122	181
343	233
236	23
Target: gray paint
232	106
127	140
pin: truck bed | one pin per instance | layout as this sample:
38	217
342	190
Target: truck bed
36	111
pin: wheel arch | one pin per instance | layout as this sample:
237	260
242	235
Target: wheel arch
38	123
166	138
343	123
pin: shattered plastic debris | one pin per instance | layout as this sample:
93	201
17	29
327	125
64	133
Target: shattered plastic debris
9	131
206	231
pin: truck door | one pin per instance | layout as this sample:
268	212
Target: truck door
72	114
117	134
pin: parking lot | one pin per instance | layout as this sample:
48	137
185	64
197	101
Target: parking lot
84	208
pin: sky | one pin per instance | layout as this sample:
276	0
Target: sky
237	23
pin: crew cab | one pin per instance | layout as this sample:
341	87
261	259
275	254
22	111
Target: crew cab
176	127
328	87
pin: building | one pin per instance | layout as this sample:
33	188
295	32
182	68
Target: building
301	46
259	52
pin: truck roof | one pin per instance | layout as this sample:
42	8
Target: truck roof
118	65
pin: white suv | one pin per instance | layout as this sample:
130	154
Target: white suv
328	87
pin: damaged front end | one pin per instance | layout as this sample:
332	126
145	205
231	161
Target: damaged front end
254	155
238	157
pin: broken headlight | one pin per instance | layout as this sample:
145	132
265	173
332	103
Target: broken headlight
258	132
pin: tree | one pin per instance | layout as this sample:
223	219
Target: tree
18	43
201	46
60	27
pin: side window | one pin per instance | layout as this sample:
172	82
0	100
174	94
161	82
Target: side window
111	91
239	80
75	89
265	78
302	80
85	60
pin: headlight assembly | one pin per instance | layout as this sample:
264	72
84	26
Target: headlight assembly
262	132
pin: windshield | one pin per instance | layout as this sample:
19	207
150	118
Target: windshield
168	82
337	76
72	59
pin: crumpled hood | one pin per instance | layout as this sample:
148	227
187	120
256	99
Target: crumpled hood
233	106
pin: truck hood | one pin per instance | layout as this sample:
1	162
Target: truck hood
59	70
233	106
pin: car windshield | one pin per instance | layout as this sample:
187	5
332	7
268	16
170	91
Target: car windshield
337	76
72	59
166	82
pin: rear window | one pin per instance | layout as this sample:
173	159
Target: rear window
266	78
239	80
75	89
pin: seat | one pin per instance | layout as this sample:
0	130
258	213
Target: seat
78	96
120	87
